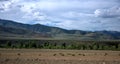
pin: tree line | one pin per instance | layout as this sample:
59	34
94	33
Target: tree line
48	45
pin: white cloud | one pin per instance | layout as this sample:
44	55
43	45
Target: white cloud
36	16
68	14
4	6
26	9
108	13
73	14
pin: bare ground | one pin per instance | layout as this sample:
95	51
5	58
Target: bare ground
49	56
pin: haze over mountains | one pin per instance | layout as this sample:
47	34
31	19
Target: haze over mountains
10	28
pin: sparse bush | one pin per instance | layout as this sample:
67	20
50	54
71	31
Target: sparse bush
119	54
6	60
61	54
73	54
18	54
36	59
119	47
28	59
39	54
63	45
68	53
79	54
95	46
83	54
54	54
105	54
64	60
8	44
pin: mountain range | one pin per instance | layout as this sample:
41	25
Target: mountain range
9	28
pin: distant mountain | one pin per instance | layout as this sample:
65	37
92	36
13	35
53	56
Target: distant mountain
10	28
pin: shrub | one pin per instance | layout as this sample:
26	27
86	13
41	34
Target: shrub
8	44
54	54
105	54
18	54
61	54
39	54
68	53
6	60
83	54
119	54
73	54
79	54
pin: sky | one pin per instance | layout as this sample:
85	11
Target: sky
87	15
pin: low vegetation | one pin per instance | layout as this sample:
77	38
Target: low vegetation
61	44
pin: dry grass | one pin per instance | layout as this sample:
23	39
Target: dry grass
46	56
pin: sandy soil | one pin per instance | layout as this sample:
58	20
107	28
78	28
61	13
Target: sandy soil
48	56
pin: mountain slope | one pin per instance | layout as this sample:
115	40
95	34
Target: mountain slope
8	28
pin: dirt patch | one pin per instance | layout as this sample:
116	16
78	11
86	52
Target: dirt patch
48	56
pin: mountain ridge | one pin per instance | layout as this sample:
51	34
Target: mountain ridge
42	31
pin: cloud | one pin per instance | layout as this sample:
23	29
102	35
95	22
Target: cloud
36	16
4	0
67	14
4	6
108	13
73	14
